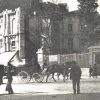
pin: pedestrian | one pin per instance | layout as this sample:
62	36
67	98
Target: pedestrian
45	64
1	74
9	77
75	76
95	70
90	71
37	67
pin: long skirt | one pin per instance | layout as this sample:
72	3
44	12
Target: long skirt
9	87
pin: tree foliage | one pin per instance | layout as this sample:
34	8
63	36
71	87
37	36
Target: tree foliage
89	20
88	9
51	14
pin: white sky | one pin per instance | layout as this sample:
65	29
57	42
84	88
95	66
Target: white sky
99	6
72	4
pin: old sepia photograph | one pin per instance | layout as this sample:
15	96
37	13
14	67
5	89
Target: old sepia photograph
49	49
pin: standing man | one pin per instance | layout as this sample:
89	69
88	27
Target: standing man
75	75
95	70
90	71
45	64
9	77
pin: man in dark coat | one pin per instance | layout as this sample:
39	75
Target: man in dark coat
95	70
90	71
9	77
1	73
75	75
45	64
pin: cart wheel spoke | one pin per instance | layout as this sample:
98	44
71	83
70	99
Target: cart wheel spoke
23	77
37	77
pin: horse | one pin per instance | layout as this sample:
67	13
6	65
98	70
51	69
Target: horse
68	67
66	75
56	68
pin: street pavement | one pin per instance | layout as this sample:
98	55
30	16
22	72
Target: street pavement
90	90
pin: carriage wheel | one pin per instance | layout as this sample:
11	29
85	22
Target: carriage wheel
23	77
37	77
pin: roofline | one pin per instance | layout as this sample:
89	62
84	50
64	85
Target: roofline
93	47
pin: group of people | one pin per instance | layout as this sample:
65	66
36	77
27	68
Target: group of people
75	75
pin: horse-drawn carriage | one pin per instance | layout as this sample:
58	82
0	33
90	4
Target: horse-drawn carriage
25	73
29	72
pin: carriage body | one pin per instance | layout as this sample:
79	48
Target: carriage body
25	73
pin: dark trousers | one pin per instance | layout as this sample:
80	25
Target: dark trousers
76	86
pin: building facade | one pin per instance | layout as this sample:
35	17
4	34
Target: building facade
19	33
72	32
10	30
67	36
